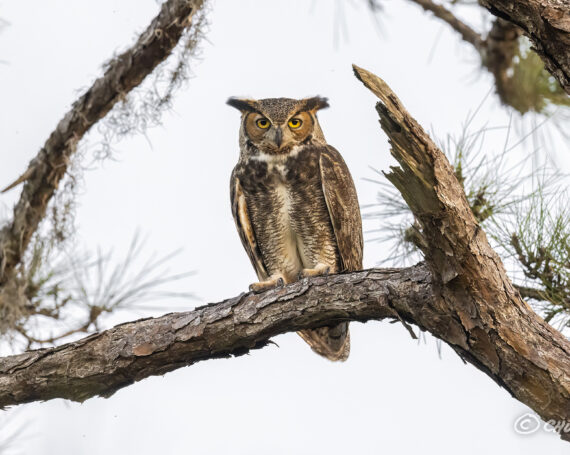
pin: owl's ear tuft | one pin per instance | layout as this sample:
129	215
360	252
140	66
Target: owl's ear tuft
315	103
242	104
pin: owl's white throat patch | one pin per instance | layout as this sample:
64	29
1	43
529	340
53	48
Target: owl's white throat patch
277	162
280	158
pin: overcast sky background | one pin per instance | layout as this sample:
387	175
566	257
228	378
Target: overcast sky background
393	395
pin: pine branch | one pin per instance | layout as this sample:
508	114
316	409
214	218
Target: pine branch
46	170
470	278
105	362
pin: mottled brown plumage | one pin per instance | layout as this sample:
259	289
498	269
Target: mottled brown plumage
294	203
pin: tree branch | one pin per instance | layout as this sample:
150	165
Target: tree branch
547	24
496	330
105	362
45	171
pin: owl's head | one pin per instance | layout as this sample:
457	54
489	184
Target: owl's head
275	125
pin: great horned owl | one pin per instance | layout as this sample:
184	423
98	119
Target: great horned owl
294	203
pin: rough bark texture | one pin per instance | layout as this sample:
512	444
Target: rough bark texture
46	170
547	24
103	363
486	321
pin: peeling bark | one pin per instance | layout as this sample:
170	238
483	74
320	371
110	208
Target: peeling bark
485	321
46	170
547	24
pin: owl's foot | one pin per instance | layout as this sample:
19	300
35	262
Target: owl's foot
320	269
262	286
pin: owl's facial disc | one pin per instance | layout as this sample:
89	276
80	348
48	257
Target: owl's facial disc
278	137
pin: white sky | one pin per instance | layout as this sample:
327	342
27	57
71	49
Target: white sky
392	395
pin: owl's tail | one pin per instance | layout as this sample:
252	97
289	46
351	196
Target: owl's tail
332	342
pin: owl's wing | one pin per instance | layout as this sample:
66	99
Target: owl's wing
344	211
245	228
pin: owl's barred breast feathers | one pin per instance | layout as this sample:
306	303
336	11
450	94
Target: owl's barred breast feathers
295	204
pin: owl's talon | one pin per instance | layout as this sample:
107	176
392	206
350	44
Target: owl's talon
262	286
319	270
258	288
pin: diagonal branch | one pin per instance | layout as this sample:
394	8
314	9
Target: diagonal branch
46	170
499	333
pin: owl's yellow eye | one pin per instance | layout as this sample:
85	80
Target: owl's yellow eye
263	123
295	123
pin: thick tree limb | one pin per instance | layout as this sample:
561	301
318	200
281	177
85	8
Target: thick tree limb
45	171
103	363
547	24
495	329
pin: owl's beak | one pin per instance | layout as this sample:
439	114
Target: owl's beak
278	137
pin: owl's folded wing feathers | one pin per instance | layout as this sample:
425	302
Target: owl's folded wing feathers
344	211
245	228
